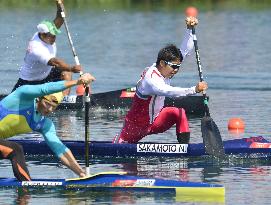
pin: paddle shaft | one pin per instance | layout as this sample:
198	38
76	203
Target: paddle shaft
76	59
207	113
87	132
87	96
211	136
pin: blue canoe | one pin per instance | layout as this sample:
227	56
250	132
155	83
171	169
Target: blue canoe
252	145
120	181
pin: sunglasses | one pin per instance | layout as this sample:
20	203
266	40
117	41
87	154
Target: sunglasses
173	65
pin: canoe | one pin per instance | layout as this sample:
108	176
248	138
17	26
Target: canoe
122	99
245	146
120	181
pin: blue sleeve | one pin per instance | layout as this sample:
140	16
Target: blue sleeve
51	139
23	96
34	91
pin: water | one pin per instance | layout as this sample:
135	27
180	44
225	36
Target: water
115	41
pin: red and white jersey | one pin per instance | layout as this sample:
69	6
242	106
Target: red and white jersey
152	89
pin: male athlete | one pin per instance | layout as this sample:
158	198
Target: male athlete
147	114
24	111
40	62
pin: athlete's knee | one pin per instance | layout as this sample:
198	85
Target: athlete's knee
182	111
15	150
182	114
18	149
179	113
174	112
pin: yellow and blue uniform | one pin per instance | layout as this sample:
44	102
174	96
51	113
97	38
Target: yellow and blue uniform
18	114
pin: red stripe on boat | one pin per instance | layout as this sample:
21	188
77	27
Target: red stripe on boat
260	145
126	94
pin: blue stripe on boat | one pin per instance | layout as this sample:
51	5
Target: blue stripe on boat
235	146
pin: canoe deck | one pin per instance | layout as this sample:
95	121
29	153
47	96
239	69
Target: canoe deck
120	181
252	145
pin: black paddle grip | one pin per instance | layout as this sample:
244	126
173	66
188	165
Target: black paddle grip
207	113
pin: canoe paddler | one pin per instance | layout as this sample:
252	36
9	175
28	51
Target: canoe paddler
40	62
147	114
25	111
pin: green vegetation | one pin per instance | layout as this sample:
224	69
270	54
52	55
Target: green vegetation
166	5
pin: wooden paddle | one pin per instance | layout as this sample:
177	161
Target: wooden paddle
87	96
210	133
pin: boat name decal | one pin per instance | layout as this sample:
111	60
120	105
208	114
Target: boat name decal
69	99
41	183
133	182
162	148
144	182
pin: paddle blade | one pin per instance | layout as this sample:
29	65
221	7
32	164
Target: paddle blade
211	137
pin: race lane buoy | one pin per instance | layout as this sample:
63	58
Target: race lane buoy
236	124
191	11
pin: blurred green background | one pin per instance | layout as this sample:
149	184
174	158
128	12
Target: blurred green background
142	4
